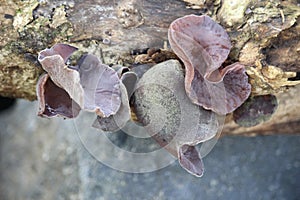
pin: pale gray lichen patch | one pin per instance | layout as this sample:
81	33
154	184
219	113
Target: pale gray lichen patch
232	12
128	14
24	13
59	17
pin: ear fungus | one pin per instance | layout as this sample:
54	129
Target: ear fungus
53	62
115	122
128	77
190	160
127	86
95	87
54	101
256	110
101	86
203	45
63	50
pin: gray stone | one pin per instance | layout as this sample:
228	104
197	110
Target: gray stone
162	105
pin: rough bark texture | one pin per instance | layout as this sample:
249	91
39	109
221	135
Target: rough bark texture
265	37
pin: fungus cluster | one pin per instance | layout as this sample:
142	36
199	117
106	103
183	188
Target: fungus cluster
192	99
90	86
203	45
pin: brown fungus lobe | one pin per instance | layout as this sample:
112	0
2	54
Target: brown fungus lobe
53	62
128	77
92	85
255	110
54	101
101	86
203	45
117	121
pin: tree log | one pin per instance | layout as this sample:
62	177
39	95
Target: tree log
264	34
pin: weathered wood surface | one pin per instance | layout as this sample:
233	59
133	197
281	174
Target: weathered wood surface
265	37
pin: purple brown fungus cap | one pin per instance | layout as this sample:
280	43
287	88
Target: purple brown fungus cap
203	45
115	122
255	110
63	50
54	101
128	77
190	160
95	87
101	86
53	62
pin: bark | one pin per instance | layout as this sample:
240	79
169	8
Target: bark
264	34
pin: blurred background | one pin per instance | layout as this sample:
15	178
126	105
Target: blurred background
45	159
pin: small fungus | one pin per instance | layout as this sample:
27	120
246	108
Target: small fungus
115	122
255	110
53	62
128	77
189	158
54	101
92	85
101	86
203	45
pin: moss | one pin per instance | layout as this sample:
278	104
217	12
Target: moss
23	39
232	12
24	13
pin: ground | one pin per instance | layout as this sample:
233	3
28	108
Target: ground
44	159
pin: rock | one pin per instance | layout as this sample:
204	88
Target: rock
177	124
